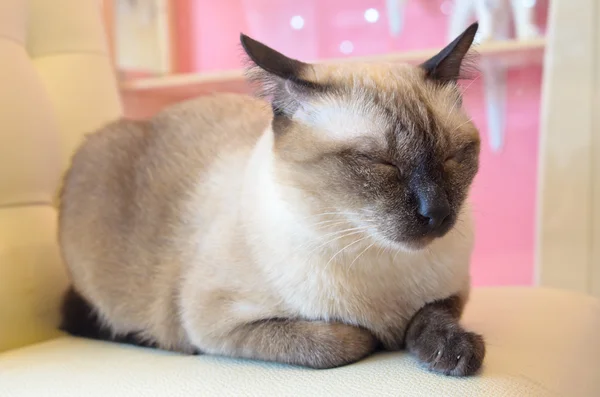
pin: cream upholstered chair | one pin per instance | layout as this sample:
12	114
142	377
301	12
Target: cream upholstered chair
56	85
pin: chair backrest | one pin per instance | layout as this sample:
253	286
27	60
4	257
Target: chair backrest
57	84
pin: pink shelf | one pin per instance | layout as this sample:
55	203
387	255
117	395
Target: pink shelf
512	53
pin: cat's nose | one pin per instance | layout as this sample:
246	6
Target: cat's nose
435	212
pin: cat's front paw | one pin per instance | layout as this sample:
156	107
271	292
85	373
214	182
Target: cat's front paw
450	350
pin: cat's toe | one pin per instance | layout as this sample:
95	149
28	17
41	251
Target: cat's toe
464	353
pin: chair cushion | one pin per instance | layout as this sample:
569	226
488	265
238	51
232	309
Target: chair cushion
540	343
57	85
32	276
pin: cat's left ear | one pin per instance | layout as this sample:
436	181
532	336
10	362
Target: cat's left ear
449	64
282	80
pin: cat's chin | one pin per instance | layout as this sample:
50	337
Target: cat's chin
406	245
415	246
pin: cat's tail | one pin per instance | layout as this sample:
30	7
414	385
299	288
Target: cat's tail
79	318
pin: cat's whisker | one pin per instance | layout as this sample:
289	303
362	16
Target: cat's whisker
330	228
453	107
466	88
336	209
359	255
395	255
470	84
466	122
302	190
429	252
332	213
330	222
344	233
345	230
382	249
337	221
334	239
460	233
343	249
450	112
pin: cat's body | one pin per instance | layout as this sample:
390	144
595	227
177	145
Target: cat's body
216	227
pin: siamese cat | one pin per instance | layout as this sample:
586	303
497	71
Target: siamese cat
311	228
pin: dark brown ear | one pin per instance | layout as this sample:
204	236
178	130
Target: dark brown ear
274	62
284	81
449	64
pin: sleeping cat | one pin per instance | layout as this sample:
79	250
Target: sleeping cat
310	229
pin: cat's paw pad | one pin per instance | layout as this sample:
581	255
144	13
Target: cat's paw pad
451	351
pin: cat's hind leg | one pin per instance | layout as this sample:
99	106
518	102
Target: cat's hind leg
79	318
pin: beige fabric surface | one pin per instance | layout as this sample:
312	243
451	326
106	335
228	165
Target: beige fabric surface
57	84
540	343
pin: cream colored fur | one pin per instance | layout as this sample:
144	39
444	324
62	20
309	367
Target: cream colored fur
239	246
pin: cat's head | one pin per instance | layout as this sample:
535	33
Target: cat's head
386	148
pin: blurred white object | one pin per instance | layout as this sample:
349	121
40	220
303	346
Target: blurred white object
494	18
494	24
494	88
395	12
524	17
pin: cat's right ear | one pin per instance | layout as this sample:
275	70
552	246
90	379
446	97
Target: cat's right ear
282	80
452	63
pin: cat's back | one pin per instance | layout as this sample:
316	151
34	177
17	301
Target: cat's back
160	156
130	163
124	196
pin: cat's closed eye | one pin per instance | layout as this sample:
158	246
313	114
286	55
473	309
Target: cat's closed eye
461	153
377	160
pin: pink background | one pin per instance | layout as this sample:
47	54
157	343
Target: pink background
505	189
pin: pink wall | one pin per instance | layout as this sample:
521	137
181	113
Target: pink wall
504	191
